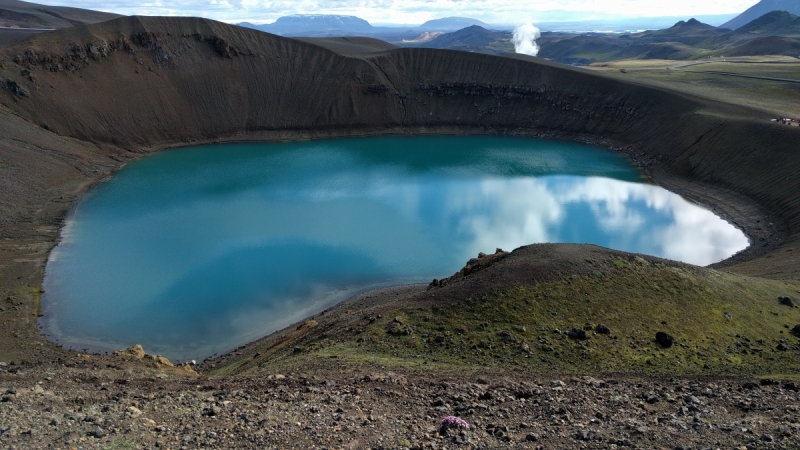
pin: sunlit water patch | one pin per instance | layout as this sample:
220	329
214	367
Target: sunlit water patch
196	251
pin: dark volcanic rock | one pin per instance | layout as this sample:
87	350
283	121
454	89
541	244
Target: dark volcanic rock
786	301
579	334
16	89
664	340
602	329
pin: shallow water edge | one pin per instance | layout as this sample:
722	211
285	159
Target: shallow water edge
338	299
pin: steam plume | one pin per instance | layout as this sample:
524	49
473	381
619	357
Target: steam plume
524	39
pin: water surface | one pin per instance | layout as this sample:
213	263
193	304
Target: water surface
196	251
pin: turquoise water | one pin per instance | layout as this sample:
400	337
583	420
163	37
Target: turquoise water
195	251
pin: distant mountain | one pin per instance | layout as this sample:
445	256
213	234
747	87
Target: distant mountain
451	24
316	25
772	24
686	39
323	21
691	32
692	25
774	33
761	8
475	39
328	25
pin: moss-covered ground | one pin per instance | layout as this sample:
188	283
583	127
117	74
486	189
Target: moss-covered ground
721	323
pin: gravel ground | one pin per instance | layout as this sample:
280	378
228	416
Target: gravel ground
115	403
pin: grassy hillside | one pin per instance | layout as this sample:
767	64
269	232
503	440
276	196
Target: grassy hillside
721	323
474	39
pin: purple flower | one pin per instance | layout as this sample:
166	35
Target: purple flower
453	422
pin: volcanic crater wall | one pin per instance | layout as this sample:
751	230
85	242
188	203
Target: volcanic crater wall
142	83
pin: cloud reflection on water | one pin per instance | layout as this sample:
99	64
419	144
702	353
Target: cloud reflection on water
230	248
627	216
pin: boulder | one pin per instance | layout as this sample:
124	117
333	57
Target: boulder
786	301
160	360
136	352
664	340
578	333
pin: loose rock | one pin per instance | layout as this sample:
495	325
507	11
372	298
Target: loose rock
664	340
578	333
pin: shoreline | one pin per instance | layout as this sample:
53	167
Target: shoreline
708	197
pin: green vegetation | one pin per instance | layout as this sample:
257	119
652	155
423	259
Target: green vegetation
772	97
722	324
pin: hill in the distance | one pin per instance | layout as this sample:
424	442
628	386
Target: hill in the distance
775	23
14	13
22	20
451	24
474	39
761	8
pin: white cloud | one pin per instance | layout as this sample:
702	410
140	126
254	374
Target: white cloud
412	11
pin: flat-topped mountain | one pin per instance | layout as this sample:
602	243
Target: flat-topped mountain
312	25
331	25
451	24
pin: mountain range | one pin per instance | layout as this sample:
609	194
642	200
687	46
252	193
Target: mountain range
327	25
777	32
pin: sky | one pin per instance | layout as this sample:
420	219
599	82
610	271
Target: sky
416	11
